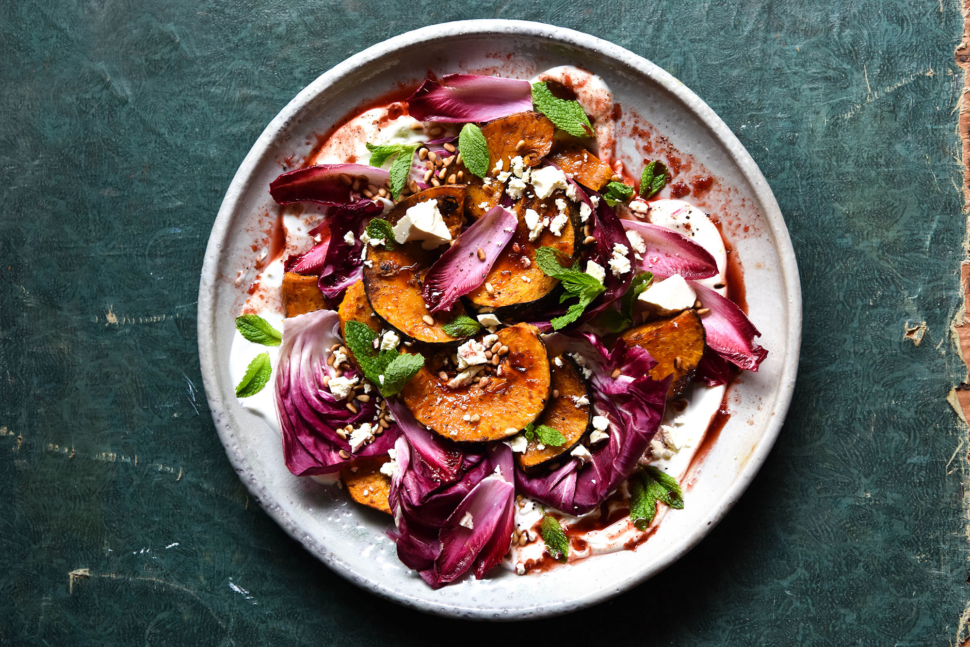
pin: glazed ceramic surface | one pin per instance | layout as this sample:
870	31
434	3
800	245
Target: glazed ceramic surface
351	539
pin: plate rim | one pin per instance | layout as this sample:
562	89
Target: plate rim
719	130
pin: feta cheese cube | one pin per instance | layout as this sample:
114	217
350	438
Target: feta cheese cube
534	223
515	188
636	241
489	320
620	261
349	238
422	222
465	377
390	340
601	423
519	444
580	401
584	211
471	353
547	179
558	223
581	454
670	296
598	436
596	270
467	521
341	387
359	436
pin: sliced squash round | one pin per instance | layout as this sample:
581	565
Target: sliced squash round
518	286
677	345
394	278
583	166
301	294
514	394
569	412
356	307
366	484
532	129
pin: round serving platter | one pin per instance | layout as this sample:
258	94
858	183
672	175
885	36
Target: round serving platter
350	539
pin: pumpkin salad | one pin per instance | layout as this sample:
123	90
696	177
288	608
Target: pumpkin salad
481	326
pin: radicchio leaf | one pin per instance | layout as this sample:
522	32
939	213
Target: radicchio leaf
729	331
633	403
670	252
713	370
460	269
309	414
463	98
607	229
322	184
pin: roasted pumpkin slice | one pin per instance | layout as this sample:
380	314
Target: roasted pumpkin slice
586	168
301	294
356	307
677	345
515	285
510	394
504	135
366	484
480	198
569	412
394	278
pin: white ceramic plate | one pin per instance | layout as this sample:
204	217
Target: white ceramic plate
351	539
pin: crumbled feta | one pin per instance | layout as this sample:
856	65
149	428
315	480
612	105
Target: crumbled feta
489	340
581	454
498	167
489	320
390	340
601	423
483	205
547	179
342	386
598	436
359	436
669	296
517	166
504	176
515	188
467	521
584	212
596	270
636	241
423	222
519	444
520	569
369	263
470	353
639	207
595	199
465	377
349	238
339	357
367	387
572	193
534	223
526	279
620	261
390	467
558	223
558	362
580	401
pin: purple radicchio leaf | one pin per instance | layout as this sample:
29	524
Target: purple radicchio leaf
729	331
309	414
463	98
322	184
670	252
464	266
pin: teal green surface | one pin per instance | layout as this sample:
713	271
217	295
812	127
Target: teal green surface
121	125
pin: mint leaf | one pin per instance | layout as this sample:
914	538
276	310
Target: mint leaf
549	436
256	377
556	541
473	149
673	495
566	115
378	229
638	286
653	179
257	330
577	284
400	170
617	192
649	487
379	154
360	340
400	370
462	326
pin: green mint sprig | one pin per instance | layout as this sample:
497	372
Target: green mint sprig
566	115
619	320
400	168
575	282
617	192
557	543
649	487
388	370
257	330
545	434
462	326
653	179
378	229
256	377
474	149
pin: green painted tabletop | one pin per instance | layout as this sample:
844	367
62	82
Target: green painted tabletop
121	125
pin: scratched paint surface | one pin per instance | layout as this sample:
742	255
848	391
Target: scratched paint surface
122	125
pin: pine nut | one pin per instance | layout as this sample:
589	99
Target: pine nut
343	454
616	374
449	148
363	397
481	254
703	311
428	320
351	407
